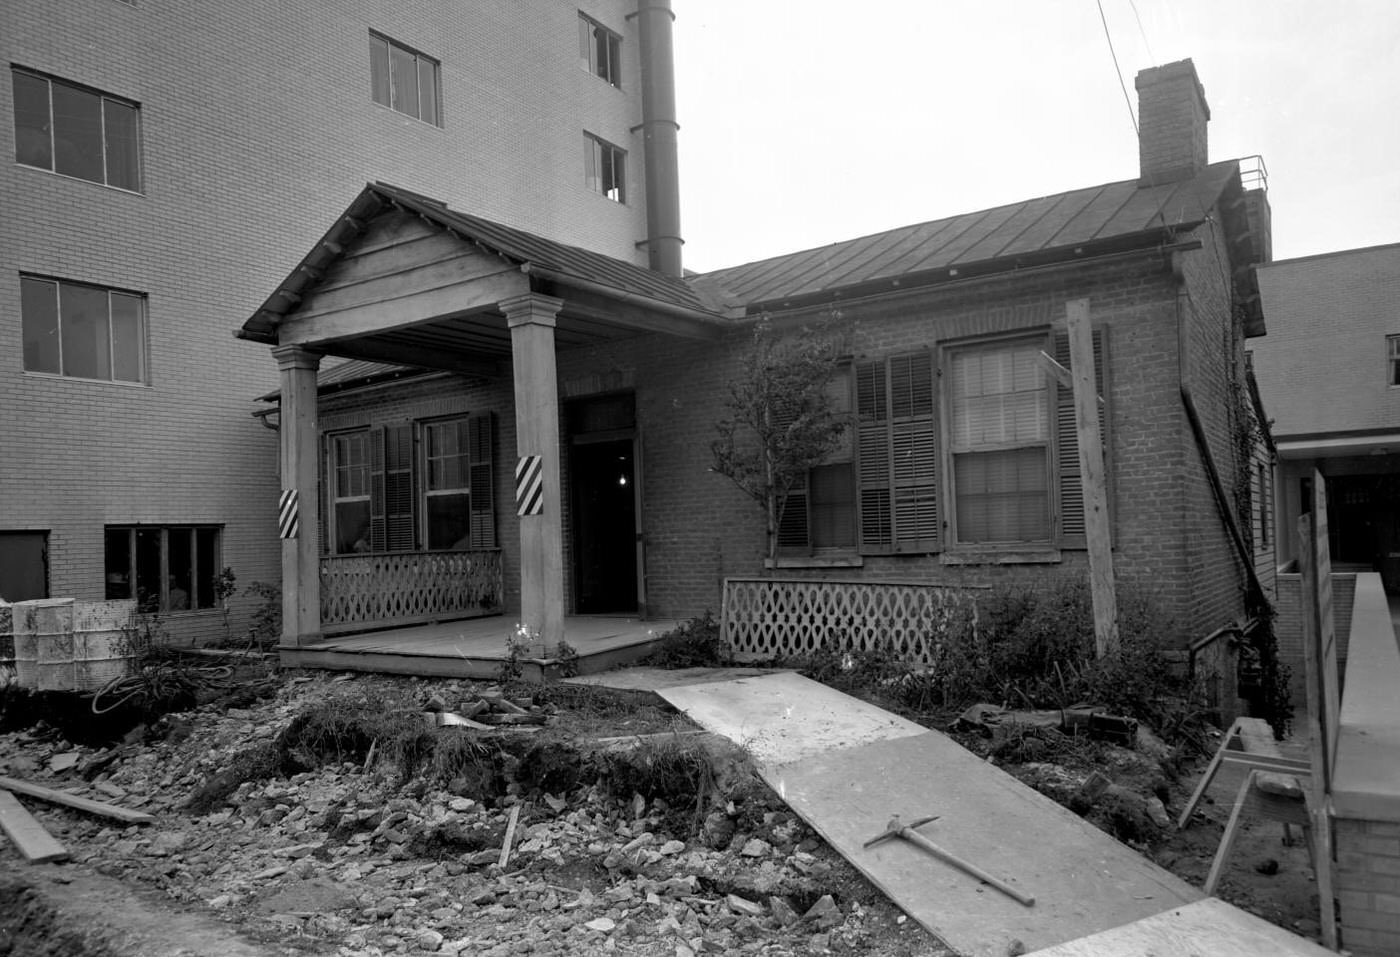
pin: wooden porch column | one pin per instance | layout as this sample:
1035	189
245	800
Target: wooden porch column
532	319
298	522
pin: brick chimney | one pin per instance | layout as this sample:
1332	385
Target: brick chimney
1172	118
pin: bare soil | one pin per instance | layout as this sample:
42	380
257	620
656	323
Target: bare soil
617	848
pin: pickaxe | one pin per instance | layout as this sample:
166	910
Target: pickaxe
897	828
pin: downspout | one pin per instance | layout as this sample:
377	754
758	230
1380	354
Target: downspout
1222	500
663	242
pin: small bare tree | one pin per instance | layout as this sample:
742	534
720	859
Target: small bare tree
781	421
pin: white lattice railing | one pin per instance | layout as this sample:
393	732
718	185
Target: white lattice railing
764	618
397	588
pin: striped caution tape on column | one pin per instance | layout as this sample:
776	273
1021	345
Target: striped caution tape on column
288	521
529	485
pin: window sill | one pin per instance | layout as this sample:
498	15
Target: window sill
815	561
1027	556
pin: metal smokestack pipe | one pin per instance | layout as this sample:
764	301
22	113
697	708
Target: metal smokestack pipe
654	22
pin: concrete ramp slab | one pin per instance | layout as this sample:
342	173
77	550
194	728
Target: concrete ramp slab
781	717
846	767
1207	928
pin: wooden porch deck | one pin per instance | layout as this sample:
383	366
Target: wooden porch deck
476	648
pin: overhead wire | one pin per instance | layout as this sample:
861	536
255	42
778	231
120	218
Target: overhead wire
1119	70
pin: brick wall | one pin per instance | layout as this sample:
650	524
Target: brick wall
257	131
1288	626
1368	886
699	528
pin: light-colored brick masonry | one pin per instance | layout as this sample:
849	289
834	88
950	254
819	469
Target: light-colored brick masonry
257	131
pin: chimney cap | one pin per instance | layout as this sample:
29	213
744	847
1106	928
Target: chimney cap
1167	72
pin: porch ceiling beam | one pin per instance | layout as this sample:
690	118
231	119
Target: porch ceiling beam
427	358
409	309
634	310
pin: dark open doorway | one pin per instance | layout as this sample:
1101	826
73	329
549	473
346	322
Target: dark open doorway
24	565
603	479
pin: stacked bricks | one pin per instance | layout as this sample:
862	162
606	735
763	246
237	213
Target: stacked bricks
1368	886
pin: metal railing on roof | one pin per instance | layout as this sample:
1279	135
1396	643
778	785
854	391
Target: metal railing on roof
1253	173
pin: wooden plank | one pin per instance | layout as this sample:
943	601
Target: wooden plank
1208	926
36	844
1311	546
74	801
1091	470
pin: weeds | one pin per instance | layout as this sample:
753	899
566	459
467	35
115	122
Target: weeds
692	644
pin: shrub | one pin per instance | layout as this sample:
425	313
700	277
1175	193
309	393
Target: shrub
692	644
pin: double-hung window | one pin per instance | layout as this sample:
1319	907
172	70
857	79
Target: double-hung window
599	50
165	568
972	447
349	493
1392	351
407	485
447	484
999	443
405	80
76	131
604	168
86	332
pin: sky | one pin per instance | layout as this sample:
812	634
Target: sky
806	123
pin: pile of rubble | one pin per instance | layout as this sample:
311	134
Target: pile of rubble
352	859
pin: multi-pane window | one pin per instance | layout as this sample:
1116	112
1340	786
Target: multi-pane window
999	439
604	168
447	485
1392	351
165	568
405	80
349	493
87	332
409	485
76	131
599	50
997	466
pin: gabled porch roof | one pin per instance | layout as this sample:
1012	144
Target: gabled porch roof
438	276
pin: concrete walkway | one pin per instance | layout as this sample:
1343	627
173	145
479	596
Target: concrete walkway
846	767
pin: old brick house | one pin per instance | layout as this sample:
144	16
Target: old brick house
592	386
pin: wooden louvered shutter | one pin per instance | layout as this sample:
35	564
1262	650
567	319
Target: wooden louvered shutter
1071	494
399	519
794	529
378	533
482	502
323	492
914	453
873	459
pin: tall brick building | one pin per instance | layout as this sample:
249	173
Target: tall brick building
1329	373
167	164
552	449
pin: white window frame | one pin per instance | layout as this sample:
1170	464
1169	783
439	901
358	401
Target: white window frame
426	429
956	445
339	441
1392	352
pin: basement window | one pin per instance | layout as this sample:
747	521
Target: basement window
165	568
1392	351
604	168
599	50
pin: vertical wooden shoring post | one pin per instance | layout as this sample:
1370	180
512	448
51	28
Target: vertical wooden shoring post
1092	478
